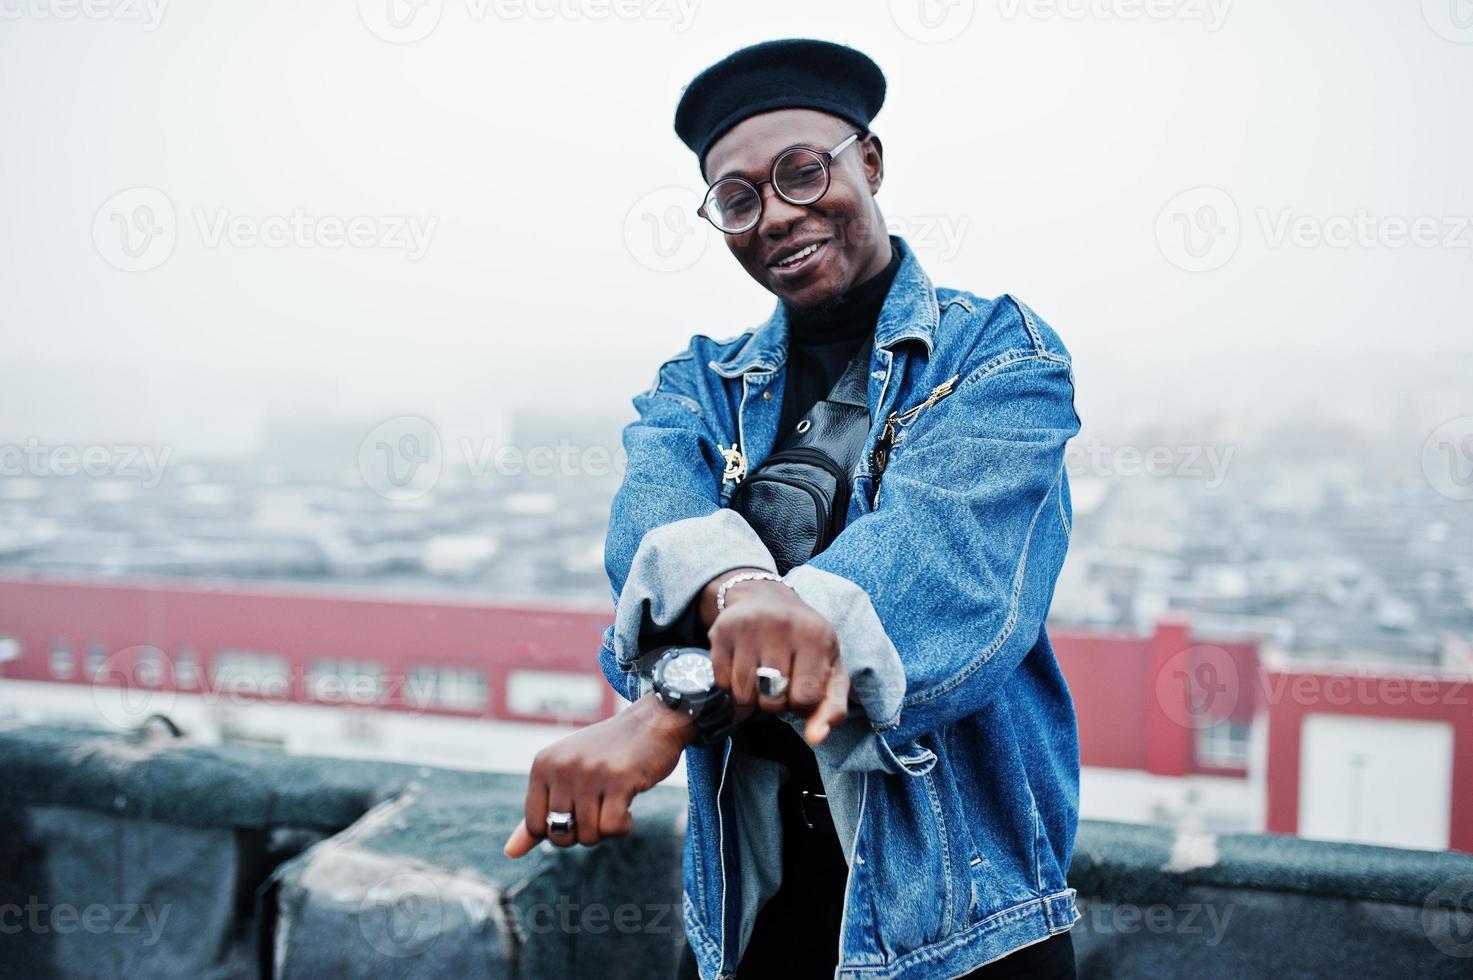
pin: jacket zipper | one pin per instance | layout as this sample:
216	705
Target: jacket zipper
741	447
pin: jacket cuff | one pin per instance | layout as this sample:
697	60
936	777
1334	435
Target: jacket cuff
670	568
876	679
625	684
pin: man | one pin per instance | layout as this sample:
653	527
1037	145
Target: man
924	824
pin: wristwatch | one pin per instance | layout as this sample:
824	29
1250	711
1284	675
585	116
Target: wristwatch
684	681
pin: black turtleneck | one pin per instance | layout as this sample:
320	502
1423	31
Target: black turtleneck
822	339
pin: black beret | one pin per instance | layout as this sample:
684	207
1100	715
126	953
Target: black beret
793	73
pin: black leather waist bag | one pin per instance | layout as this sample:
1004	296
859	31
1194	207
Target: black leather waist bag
798	499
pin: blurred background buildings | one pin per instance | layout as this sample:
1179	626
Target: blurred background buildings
1261	632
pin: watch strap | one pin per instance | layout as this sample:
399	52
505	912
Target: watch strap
716	718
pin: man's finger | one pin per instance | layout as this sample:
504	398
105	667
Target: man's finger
614	819
721	661
784	663
520	841
835	707
534	812
585	817
744	675
810	679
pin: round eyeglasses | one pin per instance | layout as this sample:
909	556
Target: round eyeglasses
800	175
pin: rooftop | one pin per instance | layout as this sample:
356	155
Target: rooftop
146	855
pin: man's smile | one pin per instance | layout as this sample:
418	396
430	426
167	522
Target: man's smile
794	261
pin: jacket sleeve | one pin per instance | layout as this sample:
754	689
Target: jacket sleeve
668	534
941	590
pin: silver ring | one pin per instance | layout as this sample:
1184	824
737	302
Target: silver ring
771	682
559	823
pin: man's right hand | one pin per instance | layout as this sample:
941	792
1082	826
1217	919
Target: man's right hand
766	624
596	772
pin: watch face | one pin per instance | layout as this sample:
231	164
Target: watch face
689	673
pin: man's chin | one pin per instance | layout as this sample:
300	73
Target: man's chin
811	296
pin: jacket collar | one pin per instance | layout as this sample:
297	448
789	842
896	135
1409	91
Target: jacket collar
910	312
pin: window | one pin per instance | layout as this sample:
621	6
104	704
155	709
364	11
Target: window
96	661
556	694
1223	745
186	669
361	726
251	672
234	730
9	649
150	669
63	664
361	682
446	687
322	681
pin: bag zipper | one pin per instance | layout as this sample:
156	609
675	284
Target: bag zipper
818	456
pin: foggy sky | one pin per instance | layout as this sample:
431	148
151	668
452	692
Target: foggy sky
1055	151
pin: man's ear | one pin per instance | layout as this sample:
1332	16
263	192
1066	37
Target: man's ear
874	162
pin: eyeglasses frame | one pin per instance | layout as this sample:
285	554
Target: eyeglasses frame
826	159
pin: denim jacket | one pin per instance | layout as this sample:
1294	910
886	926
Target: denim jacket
954	784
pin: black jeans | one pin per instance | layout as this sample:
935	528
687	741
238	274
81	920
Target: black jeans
796	934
